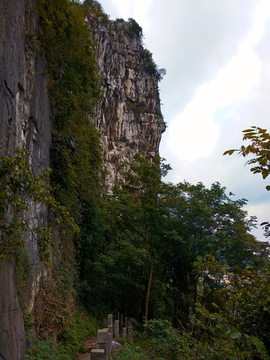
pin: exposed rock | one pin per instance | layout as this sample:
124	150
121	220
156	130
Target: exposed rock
128	117
116	346
25	121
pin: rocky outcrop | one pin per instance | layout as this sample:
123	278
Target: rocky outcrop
128	117
25	121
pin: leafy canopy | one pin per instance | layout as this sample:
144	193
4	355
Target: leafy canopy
260	147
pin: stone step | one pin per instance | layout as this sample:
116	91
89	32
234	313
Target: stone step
90	343
84	356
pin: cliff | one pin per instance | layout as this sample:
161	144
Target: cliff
127	117
25	121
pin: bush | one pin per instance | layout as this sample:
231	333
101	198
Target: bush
46	350
134	29
82	327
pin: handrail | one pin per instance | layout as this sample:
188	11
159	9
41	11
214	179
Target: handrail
105	336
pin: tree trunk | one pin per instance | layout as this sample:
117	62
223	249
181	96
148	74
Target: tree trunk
148	296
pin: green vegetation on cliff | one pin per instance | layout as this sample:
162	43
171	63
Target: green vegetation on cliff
71	65
182	253
20	190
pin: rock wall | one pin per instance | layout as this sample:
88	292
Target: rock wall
128	117
25	121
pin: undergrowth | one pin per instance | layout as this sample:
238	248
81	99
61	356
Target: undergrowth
70	341
167	343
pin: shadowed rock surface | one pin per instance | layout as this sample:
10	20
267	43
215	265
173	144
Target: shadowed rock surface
128	118
25	121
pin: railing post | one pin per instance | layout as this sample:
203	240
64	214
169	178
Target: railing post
110	336
110	319
102	342
97	354
116	329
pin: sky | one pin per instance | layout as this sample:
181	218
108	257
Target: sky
217	57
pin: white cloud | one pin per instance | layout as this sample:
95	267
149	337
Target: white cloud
262	14
213	52
194	133
135	9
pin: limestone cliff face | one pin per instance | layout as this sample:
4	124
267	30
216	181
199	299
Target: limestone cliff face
128	117
25	121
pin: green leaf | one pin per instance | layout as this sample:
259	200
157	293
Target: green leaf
258	343
229	152
235	335
266	301
265	173
199	258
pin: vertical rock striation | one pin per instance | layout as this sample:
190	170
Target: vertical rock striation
128	117
25	121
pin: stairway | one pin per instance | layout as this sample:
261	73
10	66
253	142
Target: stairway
89	344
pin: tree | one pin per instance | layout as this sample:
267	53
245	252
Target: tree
206	221
260	147
136	235
239	316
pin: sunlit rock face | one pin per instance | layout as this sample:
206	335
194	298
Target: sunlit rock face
128	116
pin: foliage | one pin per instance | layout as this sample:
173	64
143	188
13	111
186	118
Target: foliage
136	109
20	189
70	340
46	350
144	248
240	313
75	152
54	305
23	277
167	343
96	9
143	258
22	269
134	29
131	352
260	147
204	221
82	327
151	67
29	322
